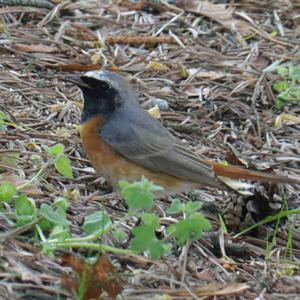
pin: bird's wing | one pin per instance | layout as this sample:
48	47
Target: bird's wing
146	142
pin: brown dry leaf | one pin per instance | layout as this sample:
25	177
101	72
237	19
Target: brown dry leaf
31	189
218	12
69	283
36	48
107	274
81	32
260	62
230	267
232	157
102	276
92	288
72	261
147	5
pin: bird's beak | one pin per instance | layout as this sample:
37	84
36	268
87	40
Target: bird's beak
76	79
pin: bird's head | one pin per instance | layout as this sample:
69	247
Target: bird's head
103	92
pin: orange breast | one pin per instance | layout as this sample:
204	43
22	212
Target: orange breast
114	167
101	155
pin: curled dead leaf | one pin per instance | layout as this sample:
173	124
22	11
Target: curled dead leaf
218	12
36	48
94	278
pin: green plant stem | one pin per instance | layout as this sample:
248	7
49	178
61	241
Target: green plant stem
36	176
96	235
84	239
269	219
94	246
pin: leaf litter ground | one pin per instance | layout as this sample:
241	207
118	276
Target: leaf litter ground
202	64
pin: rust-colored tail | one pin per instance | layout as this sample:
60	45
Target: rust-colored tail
235	172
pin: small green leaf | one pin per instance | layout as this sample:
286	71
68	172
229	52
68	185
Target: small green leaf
144	183
136	197
167	248
46	225
171	229
151	220
281	86
181	231
22	220
119	235
25	205
291	94
149	185
97	222
175	208
199	221
35	157
49	249
294	92
55	216
280	103
56	150
7	192
62	203
25	209
191	228
294	72
4	116
60	232
191	207
63	166
282	71
124	184
146	240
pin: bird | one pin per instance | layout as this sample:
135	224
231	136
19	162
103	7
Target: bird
124	142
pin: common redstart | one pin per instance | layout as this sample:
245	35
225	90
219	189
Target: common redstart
123	142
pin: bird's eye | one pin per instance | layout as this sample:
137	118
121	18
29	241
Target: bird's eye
104	85
86	80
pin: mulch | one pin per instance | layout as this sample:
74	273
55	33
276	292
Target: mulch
207	63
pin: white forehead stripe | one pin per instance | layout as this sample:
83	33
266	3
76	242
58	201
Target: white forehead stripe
105	76
100	75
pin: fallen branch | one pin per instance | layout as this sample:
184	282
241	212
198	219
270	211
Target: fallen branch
140	40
